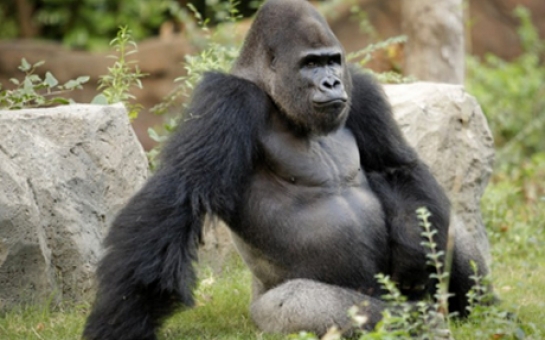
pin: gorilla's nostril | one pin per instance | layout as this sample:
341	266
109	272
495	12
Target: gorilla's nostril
330	83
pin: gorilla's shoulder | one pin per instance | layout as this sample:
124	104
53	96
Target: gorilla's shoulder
368	100
226	96
364	83
224	86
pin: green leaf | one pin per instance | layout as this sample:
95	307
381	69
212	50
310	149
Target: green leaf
155	136
71	84
34	78
25	66
38	64
100	99
50	80
28	87
83	79
60	100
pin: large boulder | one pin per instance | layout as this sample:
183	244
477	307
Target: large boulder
450	133
64	173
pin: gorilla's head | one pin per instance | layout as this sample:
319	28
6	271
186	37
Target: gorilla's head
291	53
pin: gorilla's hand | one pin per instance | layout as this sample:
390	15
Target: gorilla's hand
409	270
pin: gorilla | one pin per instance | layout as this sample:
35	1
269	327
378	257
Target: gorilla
298	153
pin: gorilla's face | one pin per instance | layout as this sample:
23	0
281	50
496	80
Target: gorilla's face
293	55
309	87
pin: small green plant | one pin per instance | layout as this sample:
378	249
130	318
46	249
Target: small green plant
493	322
122	76
479	295
33	91
402	319
424	320
363	56
214	57
438	261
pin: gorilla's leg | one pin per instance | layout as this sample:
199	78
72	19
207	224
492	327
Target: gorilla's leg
308	305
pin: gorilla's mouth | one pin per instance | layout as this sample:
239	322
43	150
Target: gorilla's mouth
331	108
329	114
330	104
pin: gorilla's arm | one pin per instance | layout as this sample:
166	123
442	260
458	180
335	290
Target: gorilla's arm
402	182
147	270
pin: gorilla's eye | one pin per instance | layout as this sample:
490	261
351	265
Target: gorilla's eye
311	62
317	60
334	60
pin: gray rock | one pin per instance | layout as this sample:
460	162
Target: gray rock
450	133
64	174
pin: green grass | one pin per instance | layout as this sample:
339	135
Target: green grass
222	308
515	222
514	211
221	312
41	323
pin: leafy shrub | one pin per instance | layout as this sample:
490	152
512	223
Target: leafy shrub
122	76
90	23
512	94
33	91
214	56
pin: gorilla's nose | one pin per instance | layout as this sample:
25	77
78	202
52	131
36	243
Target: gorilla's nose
330	91
329	83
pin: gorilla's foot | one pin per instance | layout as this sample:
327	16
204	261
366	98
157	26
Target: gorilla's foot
306	305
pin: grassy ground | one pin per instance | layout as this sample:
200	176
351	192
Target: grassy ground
222	309
515	222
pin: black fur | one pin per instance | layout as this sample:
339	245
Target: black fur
147	271
402	182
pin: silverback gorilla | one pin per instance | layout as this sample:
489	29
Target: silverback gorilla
299	154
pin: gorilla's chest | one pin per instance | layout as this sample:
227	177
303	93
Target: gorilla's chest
330	161
310	213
